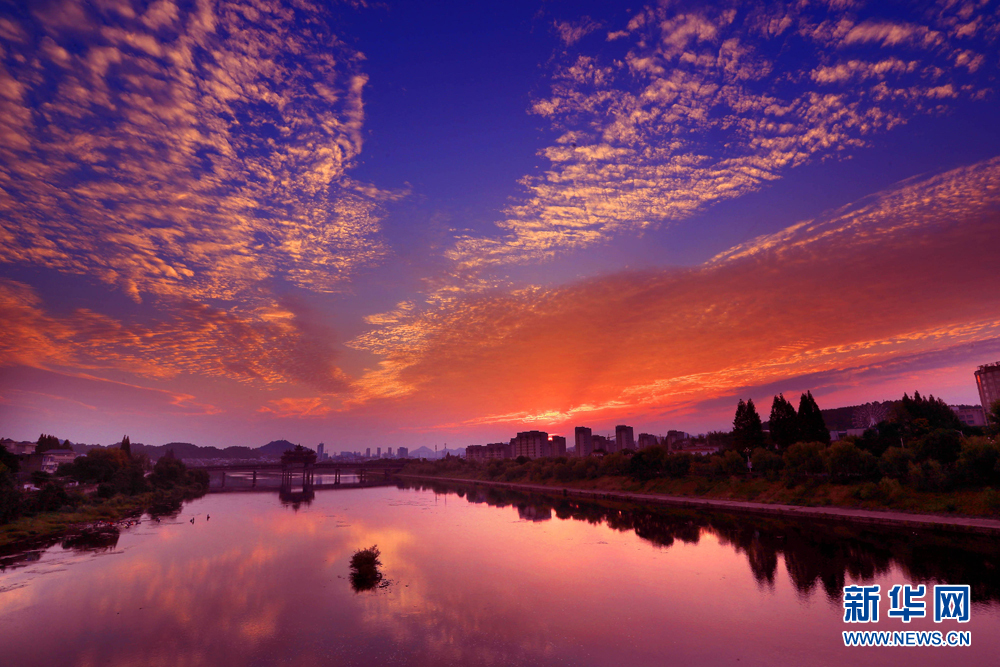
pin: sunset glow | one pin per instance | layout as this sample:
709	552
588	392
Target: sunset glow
227	222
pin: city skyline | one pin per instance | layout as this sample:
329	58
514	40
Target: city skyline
451	223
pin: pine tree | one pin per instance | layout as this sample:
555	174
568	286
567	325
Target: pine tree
812	428
784	423
127	446
748	432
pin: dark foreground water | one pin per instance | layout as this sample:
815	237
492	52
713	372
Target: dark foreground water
476	578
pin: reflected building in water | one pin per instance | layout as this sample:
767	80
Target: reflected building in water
817	555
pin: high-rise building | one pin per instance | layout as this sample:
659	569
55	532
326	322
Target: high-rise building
647	440
368	453
584	441
988	382
533	444
557	445
624	438
403	452
606	445
319	451
378	452
389	452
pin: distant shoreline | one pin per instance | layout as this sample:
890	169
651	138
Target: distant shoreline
872	517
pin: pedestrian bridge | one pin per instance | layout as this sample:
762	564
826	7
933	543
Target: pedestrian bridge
299	474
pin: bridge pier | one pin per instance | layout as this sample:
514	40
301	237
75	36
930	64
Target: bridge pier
253	485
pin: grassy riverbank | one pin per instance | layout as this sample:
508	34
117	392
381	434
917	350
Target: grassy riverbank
46	525
104	485
886	494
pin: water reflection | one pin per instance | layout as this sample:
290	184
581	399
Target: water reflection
497	578
815	553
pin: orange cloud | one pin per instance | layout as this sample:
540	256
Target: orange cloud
185	152
860	289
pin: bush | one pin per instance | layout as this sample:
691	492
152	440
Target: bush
977	463
895	463
728	464
647	463
844	462
765	461
990	499
942	445
10	497
51	498
890	489
365	565
678	465
928	475
803	459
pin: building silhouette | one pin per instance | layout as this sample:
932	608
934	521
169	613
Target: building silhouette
988	382
606	445
403	453
533	444
584	441
647	440
624	438
557	445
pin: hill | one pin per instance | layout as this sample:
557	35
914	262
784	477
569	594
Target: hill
187	450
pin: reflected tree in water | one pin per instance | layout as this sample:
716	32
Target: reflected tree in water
817	554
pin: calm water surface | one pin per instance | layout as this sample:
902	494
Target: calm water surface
481	578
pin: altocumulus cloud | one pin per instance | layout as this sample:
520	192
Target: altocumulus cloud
703	104
191	151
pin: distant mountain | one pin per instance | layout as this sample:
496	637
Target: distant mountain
187	450
274	449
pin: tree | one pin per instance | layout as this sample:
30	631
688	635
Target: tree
126	446
812	428
47	442
919	416
784	423
10	497
747	428
993	416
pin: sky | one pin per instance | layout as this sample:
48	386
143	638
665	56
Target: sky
406	224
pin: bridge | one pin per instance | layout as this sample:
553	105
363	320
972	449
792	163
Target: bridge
366	471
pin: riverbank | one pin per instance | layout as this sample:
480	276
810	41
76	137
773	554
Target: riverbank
49	526
982	525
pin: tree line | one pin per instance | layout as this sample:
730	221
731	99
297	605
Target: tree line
110	473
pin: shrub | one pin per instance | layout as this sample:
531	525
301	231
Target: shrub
928	475
365	565
844	461
977	463
942	445
890	489
648	463
990	498
10	497
895	463
765	461
803	459
677	465
729	463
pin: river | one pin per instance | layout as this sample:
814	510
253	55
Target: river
478	577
